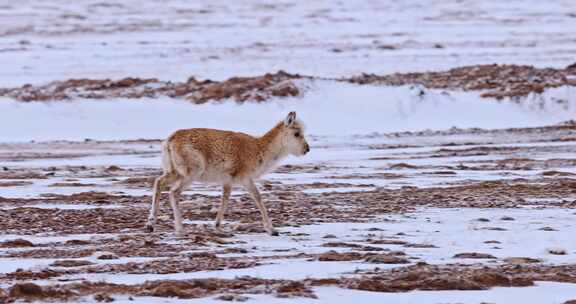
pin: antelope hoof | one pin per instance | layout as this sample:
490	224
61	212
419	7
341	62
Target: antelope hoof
149	228
273	232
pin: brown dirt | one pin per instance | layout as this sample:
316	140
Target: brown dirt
458	277
33	292
352	246
240	89
3	296
386	259
71	263
177	265
16	243
55	251
331	256
184	289
393	257
28	174
420	276
27	275
15	183
473	255
103	298
497	81
521	260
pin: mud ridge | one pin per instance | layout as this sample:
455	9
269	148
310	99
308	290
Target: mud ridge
240	89
493	80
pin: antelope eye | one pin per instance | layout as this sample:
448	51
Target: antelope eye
297	134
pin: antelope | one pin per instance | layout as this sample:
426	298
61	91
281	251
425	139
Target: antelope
223	157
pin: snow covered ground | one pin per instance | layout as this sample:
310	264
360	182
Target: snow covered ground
175	39
351	167
327	108
387	164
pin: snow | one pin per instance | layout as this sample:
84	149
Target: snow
12	264
176	39
452	230
43	239
342	189
63	206
458	230
328	108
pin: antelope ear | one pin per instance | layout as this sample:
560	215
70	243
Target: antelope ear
290	119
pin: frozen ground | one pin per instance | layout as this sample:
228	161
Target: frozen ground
409	195
175	39
422	198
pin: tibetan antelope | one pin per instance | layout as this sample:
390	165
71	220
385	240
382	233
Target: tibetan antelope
227	158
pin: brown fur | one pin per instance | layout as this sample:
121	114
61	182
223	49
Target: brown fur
224	157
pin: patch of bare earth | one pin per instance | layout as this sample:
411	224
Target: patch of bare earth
395	257
420	276
496	80
182	289
201	261
198	262
240	89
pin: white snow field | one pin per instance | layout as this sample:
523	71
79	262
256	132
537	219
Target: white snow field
327	108
217	39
